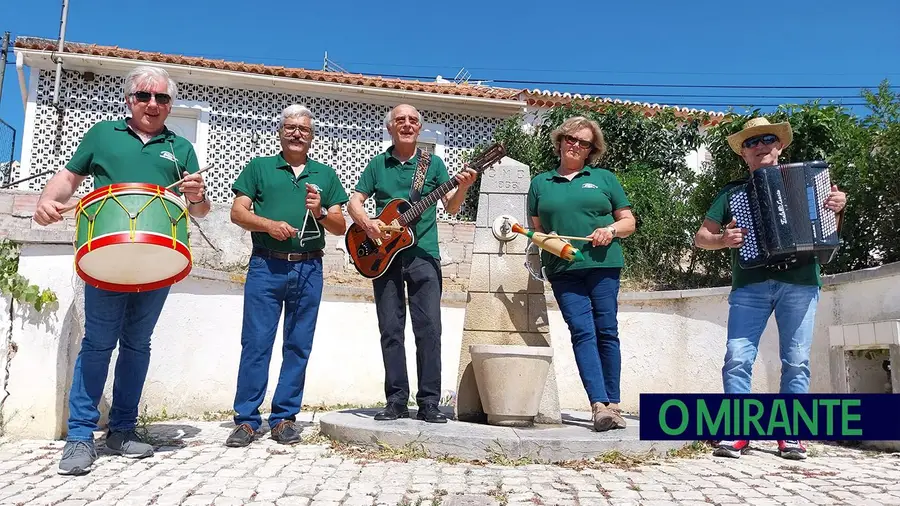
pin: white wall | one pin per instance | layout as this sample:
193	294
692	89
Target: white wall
671	342
197	347
38	371
5	328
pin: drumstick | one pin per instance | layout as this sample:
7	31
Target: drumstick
176	183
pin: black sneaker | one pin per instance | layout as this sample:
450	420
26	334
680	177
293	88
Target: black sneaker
431	413
242	435
286	433
392	412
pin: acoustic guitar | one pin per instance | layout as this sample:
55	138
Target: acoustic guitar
372	258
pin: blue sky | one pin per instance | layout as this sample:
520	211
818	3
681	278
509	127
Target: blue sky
648	43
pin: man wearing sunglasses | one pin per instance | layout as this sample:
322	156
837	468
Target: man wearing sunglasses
792	294
137	149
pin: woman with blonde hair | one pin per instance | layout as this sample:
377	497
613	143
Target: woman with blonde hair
579	198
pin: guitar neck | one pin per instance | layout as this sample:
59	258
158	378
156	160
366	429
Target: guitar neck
427	201
491	155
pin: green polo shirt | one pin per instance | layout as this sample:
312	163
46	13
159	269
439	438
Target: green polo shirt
112	153
386	178
720	212
577	208
277	195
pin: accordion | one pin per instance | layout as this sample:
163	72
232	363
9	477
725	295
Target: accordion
782	207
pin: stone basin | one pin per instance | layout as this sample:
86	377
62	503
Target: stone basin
510	381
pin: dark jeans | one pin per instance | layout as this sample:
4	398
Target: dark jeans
112	318
424	285
588	301
272	285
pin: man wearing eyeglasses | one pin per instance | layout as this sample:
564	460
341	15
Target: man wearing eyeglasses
792	294
389	175
286	201
137	149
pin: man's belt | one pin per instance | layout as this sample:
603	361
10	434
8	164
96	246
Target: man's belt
290	257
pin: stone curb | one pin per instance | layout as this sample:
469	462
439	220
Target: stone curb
572	441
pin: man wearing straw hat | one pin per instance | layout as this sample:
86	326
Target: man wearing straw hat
792	294
138	148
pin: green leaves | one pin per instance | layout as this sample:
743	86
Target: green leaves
17	286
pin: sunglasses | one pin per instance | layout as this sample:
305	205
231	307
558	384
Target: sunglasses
765	139
144	96
571	140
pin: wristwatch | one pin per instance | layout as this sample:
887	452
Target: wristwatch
322	214
612	230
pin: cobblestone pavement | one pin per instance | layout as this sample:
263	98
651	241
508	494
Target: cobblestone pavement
193	467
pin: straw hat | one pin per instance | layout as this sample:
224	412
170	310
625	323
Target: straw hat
759	126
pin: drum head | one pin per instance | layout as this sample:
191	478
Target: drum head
118	264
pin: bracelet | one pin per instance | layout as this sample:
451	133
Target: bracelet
191	202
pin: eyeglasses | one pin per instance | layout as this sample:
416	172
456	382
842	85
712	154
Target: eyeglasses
289	129
144	96
572	140
765	139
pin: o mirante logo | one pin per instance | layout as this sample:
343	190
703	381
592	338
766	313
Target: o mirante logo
769	416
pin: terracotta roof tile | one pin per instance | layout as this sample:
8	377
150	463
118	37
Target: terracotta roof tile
537	98
468	90
547	98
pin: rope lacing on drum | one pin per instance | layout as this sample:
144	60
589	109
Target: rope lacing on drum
132	217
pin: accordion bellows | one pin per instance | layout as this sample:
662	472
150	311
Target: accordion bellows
782	207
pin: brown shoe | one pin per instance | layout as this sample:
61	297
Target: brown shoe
620	421
604	418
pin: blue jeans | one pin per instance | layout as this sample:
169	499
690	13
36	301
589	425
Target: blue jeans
588	301
272	285
750	308
111	318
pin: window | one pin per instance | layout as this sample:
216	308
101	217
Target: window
190	120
